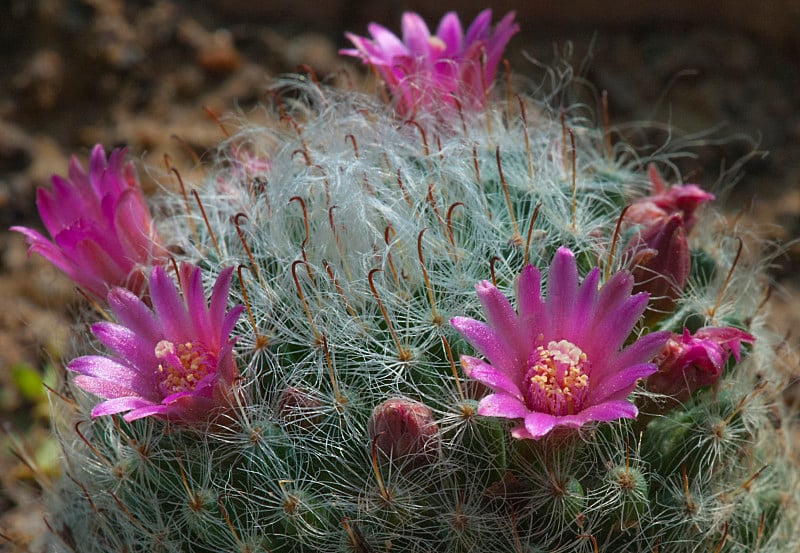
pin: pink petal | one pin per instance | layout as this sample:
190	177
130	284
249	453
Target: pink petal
118	405
529	299
78	175
479	28
497	380
132	313
613	327
127	345
519	432
97	171
94	269
227	372
147	411
602	412
502	318
133	226
195	299
219	300
485	340
642	350
562	286
39	244
502	405
584	306
103	388
503	31
617	384
609	411
387	44
451	33
415	34
539	424
169	308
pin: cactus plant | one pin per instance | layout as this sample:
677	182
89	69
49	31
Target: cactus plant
454	321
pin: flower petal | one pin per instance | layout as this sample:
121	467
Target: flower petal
219	300
118	405
643	349
415	34
529	299
562	286
126	344
503	320
169	308
479	28
539	424
585	300
502	405
451	34
483	338
609	411
103	388
495	379
116	374
146	411
619	384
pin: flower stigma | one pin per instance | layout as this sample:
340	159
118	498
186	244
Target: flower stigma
182	367
557	381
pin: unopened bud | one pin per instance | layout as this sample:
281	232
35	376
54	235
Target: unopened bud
404	431
298	407
662	252
678	199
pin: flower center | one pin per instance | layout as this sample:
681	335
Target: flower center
557	381
183	366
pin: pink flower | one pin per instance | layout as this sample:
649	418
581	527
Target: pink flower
683	199
688	362
424	71
101	228
560	361
175	361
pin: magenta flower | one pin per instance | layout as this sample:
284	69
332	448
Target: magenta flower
560	361
683	199
175	361
101	229
688	361
424	70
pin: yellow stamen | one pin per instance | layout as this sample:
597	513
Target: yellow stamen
183	366
557	378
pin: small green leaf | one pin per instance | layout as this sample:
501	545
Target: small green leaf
27	381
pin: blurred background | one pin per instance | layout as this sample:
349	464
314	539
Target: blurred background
722	76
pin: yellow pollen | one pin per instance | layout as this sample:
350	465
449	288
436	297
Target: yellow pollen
436	43
183	366
557	378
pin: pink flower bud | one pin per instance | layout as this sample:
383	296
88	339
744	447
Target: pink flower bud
683	199
689	362
404	430
661	258
298	407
